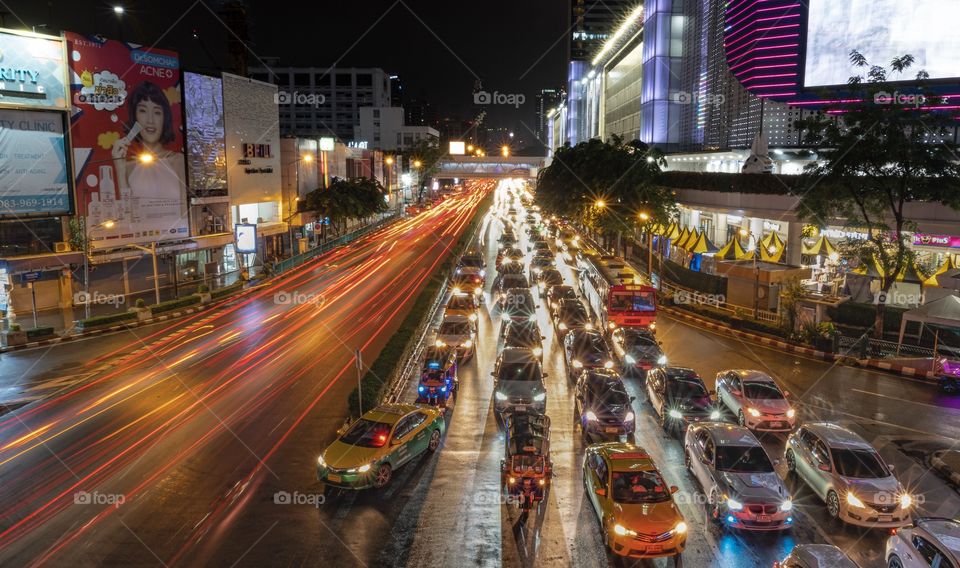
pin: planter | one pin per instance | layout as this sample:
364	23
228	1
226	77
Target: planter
824	344
13	338
143	314
205	297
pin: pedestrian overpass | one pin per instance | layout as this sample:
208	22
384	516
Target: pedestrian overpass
485	167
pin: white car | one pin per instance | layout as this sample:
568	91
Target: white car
928	543
457	332
848	474
816	556
756	400
743	490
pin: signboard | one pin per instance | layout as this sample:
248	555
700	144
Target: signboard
246	238
30	276
252	127
32	70
4	294
457	148
33	167
881	30
128	141
206	145
945	241
327	144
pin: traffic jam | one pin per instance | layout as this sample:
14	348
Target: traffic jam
604	322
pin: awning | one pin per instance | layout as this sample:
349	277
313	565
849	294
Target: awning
944	312
910	273
772	248
702	245
772	239
733	250
823	247
672	232
682	239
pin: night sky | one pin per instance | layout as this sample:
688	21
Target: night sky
438	47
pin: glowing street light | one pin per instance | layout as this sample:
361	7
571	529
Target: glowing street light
469	147
417	164
118	10
600	204
505	150
389	160
308	158
644	216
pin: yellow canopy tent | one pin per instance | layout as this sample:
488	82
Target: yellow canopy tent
772	239
691	240
823	247
772	253
702	245
733	250
684	235
672	232
909	273
658	229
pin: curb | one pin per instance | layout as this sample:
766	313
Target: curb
793	348
942	467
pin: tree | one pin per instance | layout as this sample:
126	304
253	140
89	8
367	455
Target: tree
428	154
346	199
606	185
877	155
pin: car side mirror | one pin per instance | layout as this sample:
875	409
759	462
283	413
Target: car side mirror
890	466
776	462
545	375
543	337
824	467
674	489
395	442
786	393
633	398
600	491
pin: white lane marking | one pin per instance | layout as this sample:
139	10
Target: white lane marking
901	399
875	421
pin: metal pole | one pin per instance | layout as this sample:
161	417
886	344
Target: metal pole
86	272
359	358
33	296
650	255
156	274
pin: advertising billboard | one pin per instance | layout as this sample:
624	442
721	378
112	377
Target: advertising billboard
32	70
881	30
127	141
206	148
252	125
33	168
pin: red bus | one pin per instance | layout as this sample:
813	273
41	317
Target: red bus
617	293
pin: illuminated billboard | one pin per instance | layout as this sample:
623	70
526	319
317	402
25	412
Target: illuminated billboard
457	148
881	30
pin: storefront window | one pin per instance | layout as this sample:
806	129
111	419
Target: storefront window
29	236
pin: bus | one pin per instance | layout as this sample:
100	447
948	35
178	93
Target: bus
617	293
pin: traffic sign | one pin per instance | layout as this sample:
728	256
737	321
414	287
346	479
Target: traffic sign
26	277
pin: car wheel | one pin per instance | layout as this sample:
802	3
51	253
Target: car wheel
383	475
714	508
833	505
678	561
895	562
434	441
791	462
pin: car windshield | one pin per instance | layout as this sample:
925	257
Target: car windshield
762	391
573	313
633	301
514	281
367	434
639	341
743	459
607	397
472	261
464	278
589	343
685	389
528	371
433	376
522	335
454	328
863	464
639	487
460	302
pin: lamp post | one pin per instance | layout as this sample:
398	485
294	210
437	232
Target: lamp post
156	276
645	219
108	224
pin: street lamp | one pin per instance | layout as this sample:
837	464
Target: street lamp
118	10
505	150
108	224
600	204
645	218
308	158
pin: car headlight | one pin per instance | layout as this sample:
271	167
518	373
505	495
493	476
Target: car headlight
477	291
420	388
622	530
456	290
540	397
734	505
629	360
501	396
364	468
483	274
591	416
681	528
753	412
440	343
541	286
652	326
576	364
612	325
537	351
533	318
906	501
588	326
472	317
791	413
675	414
562	326
320	462
715	415
608	365
468	344
854	501
787	505
629	417
662	360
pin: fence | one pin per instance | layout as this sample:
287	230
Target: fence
296	260
870	348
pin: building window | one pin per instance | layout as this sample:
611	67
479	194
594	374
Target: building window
344	80
376	113
364	80
301	79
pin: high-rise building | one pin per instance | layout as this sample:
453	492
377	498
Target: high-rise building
317	101
592	22
546	100
396	91
419	112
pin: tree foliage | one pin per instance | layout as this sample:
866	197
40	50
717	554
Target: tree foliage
877	156
429	154
620	176
346	199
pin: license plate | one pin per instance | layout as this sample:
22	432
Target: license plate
885	518
334	478
763	518
655	548
612	430
519	408
776	424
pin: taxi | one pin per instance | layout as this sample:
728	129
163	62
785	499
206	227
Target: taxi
368	451
635	507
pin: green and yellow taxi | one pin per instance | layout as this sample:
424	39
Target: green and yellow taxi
369	450
635	507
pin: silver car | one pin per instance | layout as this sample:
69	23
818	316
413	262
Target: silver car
930	542
743	490
816	556
849	475
756	400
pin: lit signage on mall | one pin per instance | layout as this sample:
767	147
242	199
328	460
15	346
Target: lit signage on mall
946	241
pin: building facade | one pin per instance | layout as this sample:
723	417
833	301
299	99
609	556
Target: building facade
384	128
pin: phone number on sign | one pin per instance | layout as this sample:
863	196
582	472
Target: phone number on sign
29	204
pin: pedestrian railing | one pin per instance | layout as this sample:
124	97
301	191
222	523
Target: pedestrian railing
870	348
296	260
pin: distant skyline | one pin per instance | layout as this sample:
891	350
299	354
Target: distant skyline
440	49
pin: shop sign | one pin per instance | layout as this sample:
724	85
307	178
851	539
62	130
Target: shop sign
946	241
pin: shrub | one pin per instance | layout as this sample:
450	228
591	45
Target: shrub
39	332
226	290
140	303
14	327
203	289
105	320
174	304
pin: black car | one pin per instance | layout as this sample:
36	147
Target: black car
524	334
540	245
472	259
518	305
512	253
508	238
547	278
586	349
637	350
539	264
571	315
679	397
557	293
603	406
511	268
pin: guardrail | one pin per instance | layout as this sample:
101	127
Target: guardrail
296	260
868	347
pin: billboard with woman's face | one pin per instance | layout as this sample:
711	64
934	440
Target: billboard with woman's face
127	132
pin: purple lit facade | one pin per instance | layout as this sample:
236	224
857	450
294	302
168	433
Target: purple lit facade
763	43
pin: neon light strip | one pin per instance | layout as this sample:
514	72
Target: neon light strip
735	7
768	95
768	77
762	58
768	47
794	84
752	69
730	45
733	25
730	52
757	21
